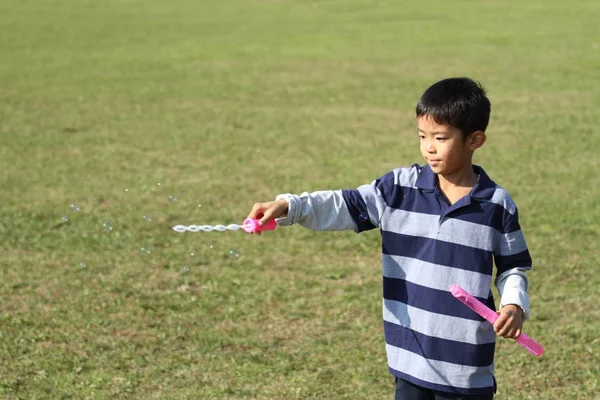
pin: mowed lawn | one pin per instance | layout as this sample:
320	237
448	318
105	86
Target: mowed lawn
115	106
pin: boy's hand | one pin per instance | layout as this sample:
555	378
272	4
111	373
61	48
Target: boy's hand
268	211
510	322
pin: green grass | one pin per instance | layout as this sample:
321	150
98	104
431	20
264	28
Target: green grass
226	103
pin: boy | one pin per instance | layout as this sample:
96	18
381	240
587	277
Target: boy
442	223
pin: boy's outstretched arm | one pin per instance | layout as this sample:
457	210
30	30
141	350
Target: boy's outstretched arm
329	210
322	211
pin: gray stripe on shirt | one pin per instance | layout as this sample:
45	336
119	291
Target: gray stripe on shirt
435	276
435	371
438	325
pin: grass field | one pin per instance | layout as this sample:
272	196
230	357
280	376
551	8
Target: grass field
226	103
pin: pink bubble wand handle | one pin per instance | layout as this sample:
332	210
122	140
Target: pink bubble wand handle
461	294
251	225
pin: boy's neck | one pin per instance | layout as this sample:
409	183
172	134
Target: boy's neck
464	178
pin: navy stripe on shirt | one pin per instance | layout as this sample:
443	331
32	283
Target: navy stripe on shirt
432	348
385	185
432	300
519	260
358	210
437	252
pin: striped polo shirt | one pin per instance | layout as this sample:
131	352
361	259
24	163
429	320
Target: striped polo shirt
432	339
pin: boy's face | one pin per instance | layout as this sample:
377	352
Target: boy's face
444	147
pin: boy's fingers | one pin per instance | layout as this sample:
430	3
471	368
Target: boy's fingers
256	210
509	328
502	331
504	326
500	323
253	211
266	217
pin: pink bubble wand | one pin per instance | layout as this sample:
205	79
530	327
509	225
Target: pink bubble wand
461	294
250	225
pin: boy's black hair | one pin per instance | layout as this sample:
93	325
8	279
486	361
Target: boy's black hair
458	102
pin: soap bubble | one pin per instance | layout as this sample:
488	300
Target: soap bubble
233	253
146	250
65	218
147	218
186	269
363	217
83	265
127	190
158	184
199	205
75	208
107	226
175	200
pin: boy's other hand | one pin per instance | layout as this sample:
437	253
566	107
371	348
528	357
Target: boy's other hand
510	322
268	211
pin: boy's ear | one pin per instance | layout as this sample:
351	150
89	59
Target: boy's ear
476	140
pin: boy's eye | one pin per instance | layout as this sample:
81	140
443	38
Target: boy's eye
441	139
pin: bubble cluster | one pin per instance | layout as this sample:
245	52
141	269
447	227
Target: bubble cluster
363	217
146	249
73	209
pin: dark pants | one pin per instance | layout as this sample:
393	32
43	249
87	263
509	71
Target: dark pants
407	391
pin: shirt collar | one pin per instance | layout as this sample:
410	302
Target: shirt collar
427	180
484	188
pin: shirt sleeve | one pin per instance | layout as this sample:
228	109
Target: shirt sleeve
331	210
367	204
321	211
512	286
513	260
